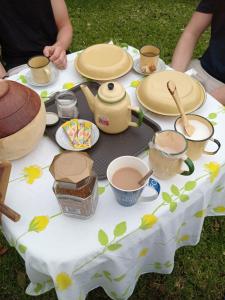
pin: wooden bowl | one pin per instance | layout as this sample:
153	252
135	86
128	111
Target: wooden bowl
22	120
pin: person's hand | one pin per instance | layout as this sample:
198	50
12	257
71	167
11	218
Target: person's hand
57	55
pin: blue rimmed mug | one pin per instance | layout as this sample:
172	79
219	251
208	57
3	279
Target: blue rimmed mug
150	189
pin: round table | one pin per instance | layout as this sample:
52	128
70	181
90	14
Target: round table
118	244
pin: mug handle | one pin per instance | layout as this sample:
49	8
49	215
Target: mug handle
190	165
218	147
152	191
47	72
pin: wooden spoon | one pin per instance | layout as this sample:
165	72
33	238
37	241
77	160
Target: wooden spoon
173	91
5	168
144	178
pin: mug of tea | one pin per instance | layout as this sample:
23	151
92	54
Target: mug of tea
167	152
149	57
203	133
40	69
124	173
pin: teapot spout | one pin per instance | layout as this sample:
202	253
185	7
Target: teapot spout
89	96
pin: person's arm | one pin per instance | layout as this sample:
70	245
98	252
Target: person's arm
2	71
219	94
57	52
186	44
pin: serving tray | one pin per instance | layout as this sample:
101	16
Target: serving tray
133	141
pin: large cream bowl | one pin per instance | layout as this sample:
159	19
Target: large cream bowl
153	94
103	62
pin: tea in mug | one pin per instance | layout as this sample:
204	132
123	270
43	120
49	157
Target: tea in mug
126	179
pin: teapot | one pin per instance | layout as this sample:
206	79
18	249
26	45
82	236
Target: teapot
22	120
111	107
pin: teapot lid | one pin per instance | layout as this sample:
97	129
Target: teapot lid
111	92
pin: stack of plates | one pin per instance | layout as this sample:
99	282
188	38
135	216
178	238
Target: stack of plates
103	62
153	94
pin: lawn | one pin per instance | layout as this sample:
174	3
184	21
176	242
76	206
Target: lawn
199	271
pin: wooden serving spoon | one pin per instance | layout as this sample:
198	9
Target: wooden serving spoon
144	178
173	91
5	168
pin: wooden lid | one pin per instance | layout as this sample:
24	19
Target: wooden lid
18	107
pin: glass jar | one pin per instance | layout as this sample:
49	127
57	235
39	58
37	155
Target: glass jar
78	199
66	103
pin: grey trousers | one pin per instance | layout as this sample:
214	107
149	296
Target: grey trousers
210	83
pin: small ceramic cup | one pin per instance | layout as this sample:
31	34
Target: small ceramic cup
204	131
167	152
149	191
149	57
40	69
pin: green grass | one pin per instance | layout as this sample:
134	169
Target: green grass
199	271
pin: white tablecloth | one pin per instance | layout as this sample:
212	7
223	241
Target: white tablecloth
117	244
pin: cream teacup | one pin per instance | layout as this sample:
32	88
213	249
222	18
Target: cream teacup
40	69
167	152
149	57
204	131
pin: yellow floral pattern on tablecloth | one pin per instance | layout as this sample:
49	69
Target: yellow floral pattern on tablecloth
143	252
135	83
213	168
63	281
68	85
148	221
32	173
219	209
39	223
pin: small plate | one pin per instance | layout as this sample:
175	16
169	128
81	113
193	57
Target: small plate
63	141
55	73
136	66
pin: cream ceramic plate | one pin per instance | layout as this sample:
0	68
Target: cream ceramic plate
63	140
136	66
103	62
30	81
152	93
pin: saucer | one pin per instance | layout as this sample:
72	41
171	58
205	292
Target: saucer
63	141
136	66
54	75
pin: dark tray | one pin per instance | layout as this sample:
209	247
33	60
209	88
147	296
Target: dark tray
133	141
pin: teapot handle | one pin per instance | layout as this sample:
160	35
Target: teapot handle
140	117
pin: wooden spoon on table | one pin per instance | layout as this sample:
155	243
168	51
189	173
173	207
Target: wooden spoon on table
5	168
173	91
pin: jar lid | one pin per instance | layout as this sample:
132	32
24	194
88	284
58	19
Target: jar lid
111	92
71	167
